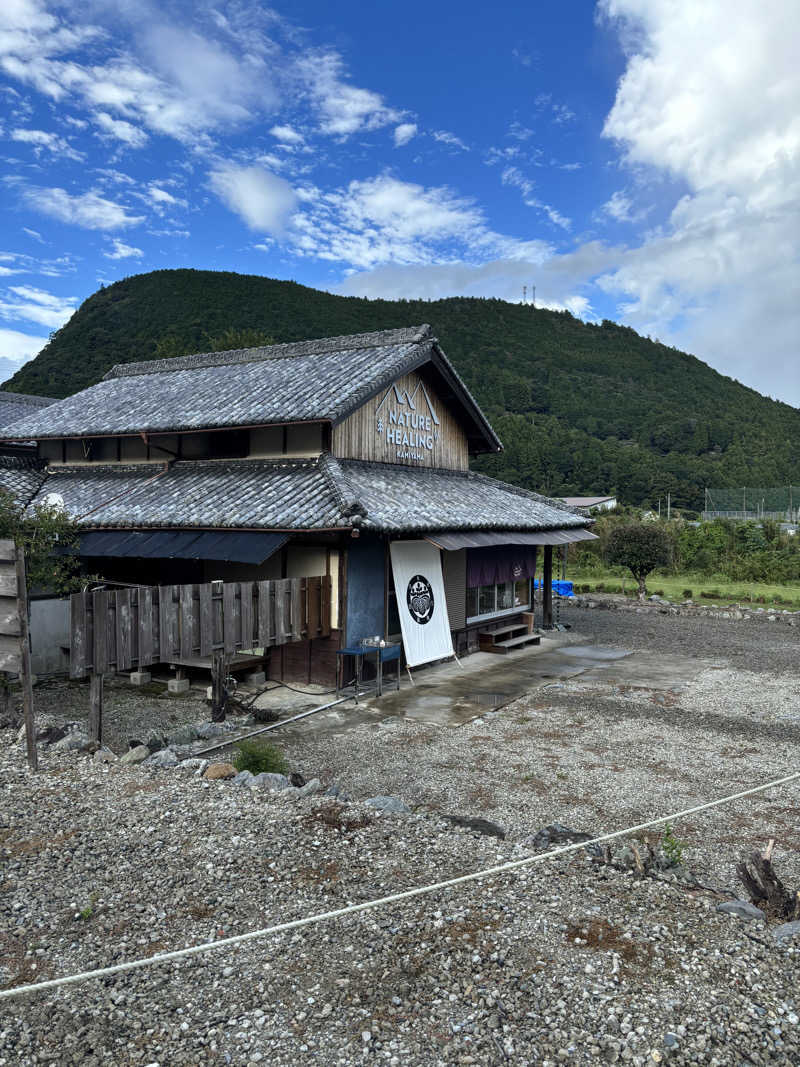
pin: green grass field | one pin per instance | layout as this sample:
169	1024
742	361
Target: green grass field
703	589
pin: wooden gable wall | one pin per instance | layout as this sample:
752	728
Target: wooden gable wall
406	424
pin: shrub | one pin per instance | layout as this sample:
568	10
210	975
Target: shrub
687	594
672	847
641	547
711	594
600	587
259	757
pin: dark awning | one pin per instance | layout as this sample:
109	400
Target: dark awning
233	546
456	539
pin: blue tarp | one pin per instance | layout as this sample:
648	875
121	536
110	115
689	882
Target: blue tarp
560	588
233	546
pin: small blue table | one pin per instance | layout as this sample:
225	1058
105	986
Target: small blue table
387	654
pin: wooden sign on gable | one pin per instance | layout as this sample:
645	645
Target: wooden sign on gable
406	423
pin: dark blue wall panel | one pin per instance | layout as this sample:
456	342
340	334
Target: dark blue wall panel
365	580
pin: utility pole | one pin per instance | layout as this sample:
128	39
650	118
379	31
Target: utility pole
669	506
533	296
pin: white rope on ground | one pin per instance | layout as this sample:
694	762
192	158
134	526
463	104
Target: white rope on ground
394	898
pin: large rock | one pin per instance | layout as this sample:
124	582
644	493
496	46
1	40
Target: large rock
786	930
74	741
480	826
165	757
393	805
556	834
137	754
219	771
269	780
183	736
243	778
104	755
307	790
742	909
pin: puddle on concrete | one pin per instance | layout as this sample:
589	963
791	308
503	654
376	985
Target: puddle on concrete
591	652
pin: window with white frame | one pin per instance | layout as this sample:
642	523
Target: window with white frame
484	601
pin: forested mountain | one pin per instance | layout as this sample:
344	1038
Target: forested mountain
580	408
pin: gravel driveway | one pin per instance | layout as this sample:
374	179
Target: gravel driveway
568	961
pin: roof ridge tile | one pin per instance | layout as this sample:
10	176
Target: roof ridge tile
343	343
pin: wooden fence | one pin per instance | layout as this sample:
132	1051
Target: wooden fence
134	627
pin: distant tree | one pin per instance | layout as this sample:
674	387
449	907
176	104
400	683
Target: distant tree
641	547
170	346
233	338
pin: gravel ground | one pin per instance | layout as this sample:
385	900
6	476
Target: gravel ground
566	961
750	643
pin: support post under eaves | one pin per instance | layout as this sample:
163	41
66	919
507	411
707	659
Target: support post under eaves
547	589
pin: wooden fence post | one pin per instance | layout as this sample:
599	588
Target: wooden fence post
25	657
218	674
96	707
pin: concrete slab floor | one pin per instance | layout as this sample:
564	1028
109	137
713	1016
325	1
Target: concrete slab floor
450	694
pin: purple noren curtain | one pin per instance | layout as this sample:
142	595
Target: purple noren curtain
500	563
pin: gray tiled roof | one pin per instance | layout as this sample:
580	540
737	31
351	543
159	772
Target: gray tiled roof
412	499
15	406
311	380
315	494
245	494
21	476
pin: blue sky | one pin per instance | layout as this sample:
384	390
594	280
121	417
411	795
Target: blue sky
632	159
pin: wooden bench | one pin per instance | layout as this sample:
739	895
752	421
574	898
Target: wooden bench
506	638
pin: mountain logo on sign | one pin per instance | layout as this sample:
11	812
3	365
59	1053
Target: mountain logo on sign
408	418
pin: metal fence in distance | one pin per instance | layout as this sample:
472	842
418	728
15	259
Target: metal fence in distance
781	503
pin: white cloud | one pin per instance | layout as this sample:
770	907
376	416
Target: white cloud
445	137
18	348
41	139
263	200
120	129
174	80
560	280
36	305
404	133
384	220
161	200
620	207
343	109
709	94
514	176
119	250
287	135
559	113
89	210
34	234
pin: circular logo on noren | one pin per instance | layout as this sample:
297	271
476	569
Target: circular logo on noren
419	597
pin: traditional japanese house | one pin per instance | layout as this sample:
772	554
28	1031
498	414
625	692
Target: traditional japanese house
346	457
